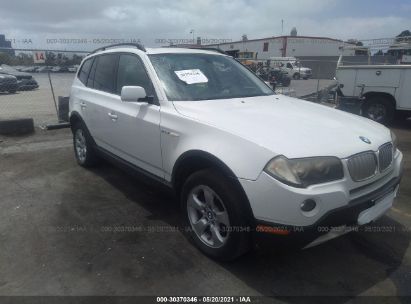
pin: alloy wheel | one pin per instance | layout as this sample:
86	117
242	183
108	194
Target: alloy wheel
208	216
80	145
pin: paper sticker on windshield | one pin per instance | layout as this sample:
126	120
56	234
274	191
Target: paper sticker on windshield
191	76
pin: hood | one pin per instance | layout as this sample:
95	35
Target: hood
7	76
289	126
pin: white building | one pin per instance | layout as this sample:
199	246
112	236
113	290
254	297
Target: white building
286	46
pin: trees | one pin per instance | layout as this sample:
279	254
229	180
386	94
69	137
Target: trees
404	36
5	58
24	59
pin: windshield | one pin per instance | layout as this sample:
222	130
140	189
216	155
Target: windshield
206	76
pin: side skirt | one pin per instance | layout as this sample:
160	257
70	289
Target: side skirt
133	169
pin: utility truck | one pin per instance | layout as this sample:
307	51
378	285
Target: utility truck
380	92
292	66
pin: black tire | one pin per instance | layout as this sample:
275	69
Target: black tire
296	76
238	240
12	91
87	157
379	109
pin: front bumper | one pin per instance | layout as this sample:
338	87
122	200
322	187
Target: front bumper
339	203
27	84
341	219
8	86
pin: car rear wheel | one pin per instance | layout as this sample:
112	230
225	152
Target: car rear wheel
296	76
84	151
215	215
379	109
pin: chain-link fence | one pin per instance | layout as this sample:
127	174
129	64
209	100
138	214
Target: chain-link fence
31	90
311	78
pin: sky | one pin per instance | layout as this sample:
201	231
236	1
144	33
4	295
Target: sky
44	23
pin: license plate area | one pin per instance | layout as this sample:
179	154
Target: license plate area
382	205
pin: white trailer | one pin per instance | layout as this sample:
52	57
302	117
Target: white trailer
381	91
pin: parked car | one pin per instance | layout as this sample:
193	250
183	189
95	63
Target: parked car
292	66
73	69
55	69
379	92
44	69
245	163
8	83
18	67
30	69
24	80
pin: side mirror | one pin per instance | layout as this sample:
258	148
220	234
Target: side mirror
133	94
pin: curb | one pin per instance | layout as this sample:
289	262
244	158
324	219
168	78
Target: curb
17	126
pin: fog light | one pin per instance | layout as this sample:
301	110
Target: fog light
308	205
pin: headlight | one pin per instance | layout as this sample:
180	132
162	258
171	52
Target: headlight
303	172
394	141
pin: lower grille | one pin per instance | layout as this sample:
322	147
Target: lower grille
385	156
362	166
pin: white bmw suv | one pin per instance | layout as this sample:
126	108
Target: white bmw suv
244	161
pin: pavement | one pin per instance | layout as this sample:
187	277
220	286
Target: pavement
37	104
65	230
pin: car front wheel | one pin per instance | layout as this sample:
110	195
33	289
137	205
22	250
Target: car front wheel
216	218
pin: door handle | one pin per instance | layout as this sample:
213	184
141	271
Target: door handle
113	117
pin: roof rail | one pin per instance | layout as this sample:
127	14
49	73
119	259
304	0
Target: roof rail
208	49
197	48
137	45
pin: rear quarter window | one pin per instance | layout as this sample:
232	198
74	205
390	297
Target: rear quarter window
85	70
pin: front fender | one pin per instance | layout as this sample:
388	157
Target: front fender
181	134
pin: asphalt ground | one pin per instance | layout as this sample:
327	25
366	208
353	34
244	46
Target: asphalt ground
65	230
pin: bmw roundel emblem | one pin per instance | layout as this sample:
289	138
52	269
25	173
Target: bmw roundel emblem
365	139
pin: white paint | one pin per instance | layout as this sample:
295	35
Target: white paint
244	134
376	211
391	79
